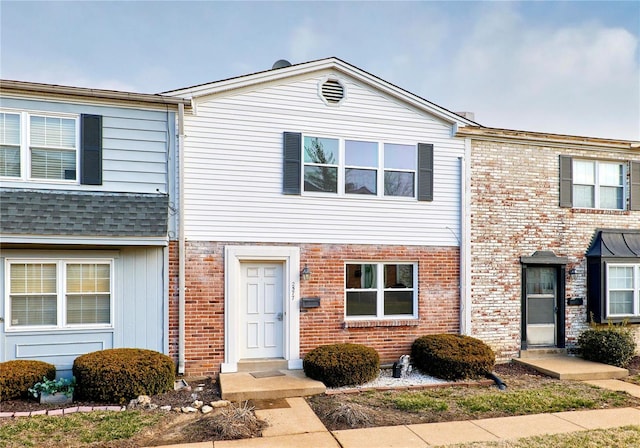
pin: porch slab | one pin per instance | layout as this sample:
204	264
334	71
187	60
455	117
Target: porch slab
573	368
243	386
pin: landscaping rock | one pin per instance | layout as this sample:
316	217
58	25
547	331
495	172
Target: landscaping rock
206	409
197	404
220	403
188	409
165	408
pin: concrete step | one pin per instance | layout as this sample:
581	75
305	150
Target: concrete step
573	368
542	352
262	365
243	386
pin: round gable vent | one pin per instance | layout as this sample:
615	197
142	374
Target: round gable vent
332	91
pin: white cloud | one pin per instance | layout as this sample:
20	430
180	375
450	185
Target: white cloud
582	79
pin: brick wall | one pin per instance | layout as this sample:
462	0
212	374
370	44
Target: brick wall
438	300
515	212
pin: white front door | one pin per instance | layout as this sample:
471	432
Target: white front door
261	310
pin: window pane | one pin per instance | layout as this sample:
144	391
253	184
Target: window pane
33	278
320	178
9	129
611	197
361	153
10	161
400	157
360	181
584	172
321	150
610	174
540	310
361	276
620	277
397	183
541	280
398	276
621	302
53	132
33	310
583	196
88	309
361	303
398	302
88	278
53	164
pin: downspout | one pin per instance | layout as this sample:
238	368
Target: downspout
465	243
181	243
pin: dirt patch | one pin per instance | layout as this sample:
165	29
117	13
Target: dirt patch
371	408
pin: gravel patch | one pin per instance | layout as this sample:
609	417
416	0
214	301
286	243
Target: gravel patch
386	379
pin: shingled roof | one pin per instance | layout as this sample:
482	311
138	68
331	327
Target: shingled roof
40	212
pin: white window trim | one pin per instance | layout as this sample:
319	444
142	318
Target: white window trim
341	166
380	316
636	289
25	146
61	302
597	185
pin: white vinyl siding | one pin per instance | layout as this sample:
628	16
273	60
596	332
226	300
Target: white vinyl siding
233	169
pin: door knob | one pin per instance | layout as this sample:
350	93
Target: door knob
279	316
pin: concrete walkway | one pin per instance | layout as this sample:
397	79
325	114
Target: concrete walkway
293	424
297	426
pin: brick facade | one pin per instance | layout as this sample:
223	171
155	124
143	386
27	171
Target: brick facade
438	300
515	212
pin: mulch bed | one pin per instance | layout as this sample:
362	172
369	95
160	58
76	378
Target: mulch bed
184	397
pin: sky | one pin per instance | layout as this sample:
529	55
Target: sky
569	67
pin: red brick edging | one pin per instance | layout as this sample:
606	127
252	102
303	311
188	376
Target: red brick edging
71	410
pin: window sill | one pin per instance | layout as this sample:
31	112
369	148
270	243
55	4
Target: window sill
380	323
600	211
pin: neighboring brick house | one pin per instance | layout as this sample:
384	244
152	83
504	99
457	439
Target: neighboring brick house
317	168
85	186
554	236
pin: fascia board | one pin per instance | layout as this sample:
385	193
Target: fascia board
409	98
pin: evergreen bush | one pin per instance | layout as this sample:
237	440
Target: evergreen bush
452	356
342	364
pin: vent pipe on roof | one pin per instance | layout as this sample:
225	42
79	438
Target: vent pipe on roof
281	63
468	115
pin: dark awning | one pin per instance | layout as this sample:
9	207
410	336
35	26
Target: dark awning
617	243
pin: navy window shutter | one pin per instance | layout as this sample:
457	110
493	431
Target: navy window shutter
566	181
91	149
425	172
634	184
291	162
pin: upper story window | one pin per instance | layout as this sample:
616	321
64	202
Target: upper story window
623	290
43	147
380	290
59	293
342	166
599	184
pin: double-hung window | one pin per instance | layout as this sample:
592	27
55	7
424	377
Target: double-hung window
38	146
598	184
359	167
47	294
623	290
380	290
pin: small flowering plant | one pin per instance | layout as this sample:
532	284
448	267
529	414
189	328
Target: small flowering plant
51	387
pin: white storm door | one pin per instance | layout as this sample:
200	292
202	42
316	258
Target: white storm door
542	287
261	311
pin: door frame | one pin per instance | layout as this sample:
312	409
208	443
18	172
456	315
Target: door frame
290	257
545	259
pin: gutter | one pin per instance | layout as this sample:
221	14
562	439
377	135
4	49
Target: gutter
465	241
181	243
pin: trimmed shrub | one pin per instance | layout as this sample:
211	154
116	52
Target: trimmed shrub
452	356
16	377
609	344
342	364
120	374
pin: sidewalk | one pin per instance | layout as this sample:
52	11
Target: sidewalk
298	426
